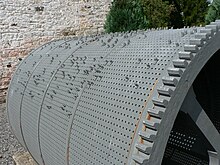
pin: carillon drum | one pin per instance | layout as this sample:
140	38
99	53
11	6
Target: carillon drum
136	98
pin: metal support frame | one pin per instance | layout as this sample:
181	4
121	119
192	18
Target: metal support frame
192	107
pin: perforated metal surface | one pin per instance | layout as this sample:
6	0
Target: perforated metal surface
105	99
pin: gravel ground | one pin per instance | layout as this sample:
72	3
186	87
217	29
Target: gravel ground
8	143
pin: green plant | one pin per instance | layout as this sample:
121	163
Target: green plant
125	15
157	12
213	12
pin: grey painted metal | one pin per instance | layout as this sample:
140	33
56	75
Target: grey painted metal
107	99
20	77
199	116
25	70
214	158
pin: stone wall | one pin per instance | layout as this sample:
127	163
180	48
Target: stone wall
26	24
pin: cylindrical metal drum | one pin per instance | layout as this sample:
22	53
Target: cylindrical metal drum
120	98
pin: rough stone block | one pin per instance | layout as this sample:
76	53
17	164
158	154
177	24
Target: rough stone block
24	159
